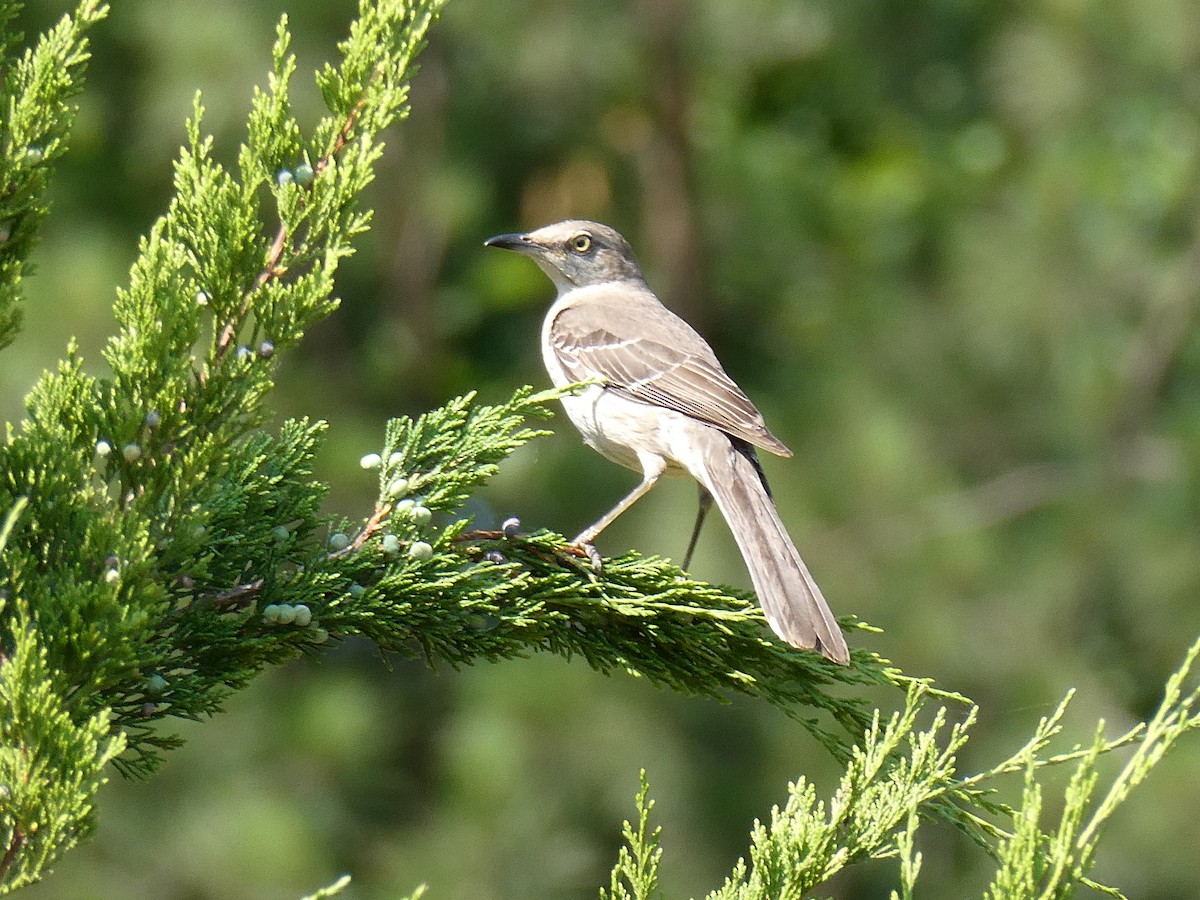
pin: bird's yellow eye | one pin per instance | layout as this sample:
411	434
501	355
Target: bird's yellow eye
581	243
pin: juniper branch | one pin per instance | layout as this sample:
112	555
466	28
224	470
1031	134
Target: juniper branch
900	774
35	119
161	548
635	876
141	494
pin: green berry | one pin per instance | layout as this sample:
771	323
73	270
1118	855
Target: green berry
371	461
303	615
421	515
338	541
420	550
390	544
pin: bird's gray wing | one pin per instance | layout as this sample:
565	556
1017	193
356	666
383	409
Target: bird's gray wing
635	345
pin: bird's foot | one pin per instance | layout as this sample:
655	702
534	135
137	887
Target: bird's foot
593	555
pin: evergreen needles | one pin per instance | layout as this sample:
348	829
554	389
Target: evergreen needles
138	504
898	774
160	547
37	115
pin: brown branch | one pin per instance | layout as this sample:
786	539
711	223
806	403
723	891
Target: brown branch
272	268
343	136
555	556
14	847
378	518
479	534
242	594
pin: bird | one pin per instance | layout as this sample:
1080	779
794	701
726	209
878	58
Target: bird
657	401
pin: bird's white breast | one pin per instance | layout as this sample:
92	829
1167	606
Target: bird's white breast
610	423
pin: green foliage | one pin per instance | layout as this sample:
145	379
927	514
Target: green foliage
635	876
50	766
493	595
171	549
37	116
331	890
162	546
899	773
1049	863
147	496
342	883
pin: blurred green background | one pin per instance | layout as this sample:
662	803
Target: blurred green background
949	247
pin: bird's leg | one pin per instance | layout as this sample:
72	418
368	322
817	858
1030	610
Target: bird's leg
652	470
706	500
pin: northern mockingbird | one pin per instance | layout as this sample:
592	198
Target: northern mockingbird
662	404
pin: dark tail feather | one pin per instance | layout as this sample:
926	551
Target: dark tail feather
794	606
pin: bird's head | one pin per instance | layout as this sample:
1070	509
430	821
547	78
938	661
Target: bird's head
575	253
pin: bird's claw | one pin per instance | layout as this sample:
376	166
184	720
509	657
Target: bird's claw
593	555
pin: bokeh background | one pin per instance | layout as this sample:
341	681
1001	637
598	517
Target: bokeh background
949	247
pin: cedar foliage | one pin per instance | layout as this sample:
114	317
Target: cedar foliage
161	546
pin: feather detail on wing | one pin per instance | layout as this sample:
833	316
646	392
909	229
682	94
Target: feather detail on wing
623	335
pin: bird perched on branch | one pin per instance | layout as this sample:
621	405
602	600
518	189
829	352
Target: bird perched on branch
660	403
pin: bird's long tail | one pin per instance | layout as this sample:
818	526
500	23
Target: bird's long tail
794	606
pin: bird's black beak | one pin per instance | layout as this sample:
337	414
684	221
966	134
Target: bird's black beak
522	243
